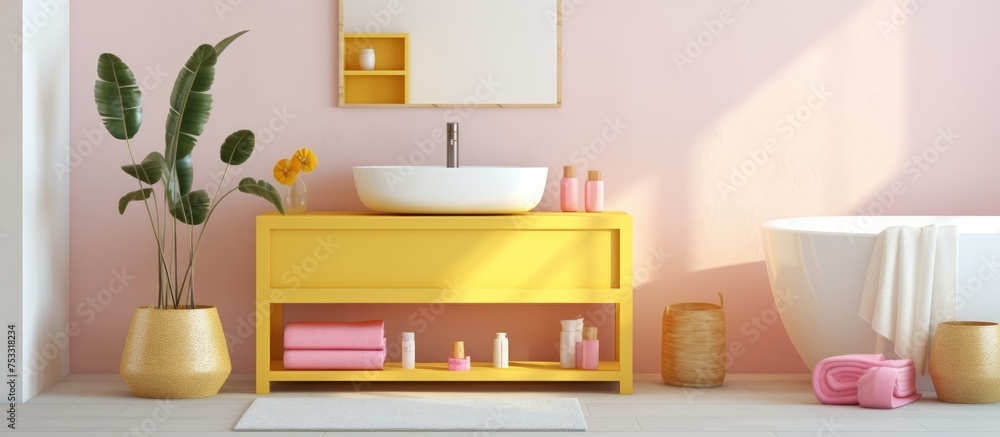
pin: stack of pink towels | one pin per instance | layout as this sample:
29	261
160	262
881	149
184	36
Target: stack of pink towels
335	345
868	380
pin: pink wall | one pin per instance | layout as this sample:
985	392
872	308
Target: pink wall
880	83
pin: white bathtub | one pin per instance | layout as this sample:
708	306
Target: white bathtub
817	266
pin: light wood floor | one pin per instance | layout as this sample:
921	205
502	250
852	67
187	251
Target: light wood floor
100	406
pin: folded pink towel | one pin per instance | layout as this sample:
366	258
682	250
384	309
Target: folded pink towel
334	359
879	387
835	379
368	335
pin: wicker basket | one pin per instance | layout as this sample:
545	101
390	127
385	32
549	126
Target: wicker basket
694	344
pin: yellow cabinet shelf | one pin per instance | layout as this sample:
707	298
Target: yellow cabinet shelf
464	296
388	83
518	371
375	73
534	258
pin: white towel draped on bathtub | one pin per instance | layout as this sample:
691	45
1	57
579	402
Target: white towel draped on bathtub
910	288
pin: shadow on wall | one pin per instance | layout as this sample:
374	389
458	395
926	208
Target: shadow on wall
756	341
722	108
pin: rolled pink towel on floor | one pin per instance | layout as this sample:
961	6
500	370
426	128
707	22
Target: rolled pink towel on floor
835	379
367	335
888	387
334	359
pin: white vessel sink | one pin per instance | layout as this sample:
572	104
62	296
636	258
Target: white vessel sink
443	190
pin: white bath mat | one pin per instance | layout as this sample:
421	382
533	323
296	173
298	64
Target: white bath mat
392	414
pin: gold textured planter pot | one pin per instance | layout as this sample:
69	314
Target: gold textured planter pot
175	353
965	362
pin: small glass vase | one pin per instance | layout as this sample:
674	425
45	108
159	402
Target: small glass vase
295	197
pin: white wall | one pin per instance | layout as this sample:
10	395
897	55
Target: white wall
461	54
10	172
45	191
34	210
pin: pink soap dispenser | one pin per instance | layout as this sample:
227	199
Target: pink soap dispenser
589	349
569	190
594	192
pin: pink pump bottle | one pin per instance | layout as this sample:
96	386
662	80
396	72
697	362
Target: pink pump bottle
594	192
569	190
588	350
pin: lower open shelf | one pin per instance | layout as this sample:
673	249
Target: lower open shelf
375	89
518	371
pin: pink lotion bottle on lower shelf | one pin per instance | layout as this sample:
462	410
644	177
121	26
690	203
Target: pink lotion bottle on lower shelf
569	190
594	192
590	348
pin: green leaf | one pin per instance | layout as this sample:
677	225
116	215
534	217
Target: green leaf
226	42
238	147
192	208
263	190
169	180
184	174
142	194
119	100
149	171
190	107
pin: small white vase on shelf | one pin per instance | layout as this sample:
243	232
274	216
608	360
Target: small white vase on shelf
367	59
295	196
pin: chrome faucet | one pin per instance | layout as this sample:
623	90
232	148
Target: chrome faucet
452	145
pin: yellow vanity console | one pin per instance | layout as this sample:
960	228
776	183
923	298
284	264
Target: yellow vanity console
355	258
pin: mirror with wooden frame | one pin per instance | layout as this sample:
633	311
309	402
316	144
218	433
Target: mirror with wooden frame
450	53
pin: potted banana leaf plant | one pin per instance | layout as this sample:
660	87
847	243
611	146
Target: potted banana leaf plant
175	349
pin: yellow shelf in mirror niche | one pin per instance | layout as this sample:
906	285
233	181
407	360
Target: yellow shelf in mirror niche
388	83
532	258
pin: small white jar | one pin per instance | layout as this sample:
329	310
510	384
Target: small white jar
367	59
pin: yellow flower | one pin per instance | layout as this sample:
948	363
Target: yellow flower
307	158
286	171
